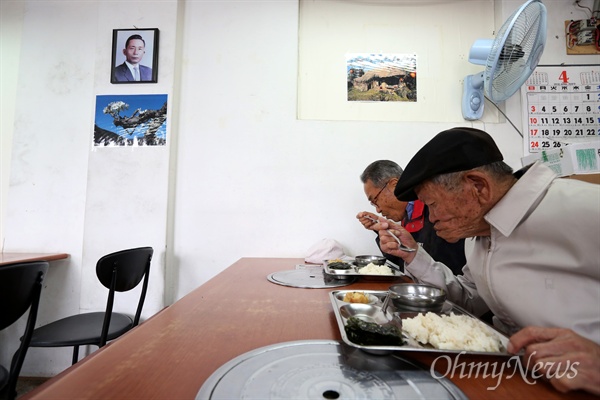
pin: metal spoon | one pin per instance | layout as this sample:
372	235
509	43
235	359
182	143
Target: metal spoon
400	245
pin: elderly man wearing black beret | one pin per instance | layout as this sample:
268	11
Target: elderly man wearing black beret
536	256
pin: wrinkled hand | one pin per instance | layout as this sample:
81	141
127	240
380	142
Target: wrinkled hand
569	360
389	245
365	218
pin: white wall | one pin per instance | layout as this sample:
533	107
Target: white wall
255	181
243	178
64	194
11	23
438	33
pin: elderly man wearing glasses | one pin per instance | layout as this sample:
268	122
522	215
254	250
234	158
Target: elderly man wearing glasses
379	181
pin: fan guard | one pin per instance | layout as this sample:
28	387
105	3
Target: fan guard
509	59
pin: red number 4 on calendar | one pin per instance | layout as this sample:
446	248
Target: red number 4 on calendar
563	77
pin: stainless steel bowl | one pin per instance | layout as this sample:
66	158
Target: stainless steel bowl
366	312
417	297
363	261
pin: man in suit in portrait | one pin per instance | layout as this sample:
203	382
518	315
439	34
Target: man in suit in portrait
131	70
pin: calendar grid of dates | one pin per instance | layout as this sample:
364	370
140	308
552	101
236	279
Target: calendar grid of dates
563	107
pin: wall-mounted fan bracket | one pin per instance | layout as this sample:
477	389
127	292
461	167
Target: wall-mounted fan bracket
472	99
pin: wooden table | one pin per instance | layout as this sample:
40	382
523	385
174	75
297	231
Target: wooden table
13	258
170	355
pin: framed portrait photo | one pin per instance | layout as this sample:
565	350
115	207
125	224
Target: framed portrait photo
134	56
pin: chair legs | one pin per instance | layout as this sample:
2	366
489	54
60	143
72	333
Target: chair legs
15	369
75	355
5	392
19	356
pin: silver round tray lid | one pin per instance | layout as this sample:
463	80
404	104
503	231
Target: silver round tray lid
323	369
312	278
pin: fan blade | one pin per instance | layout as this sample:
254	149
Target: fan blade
511	53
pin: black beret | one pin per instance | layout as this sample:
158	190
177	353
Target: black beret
457	149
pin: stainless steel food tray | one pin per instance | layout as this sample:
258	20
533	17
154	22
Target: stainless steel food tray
395	316
353	272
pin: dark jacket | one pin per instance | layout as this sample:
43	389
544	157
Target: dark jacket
123	74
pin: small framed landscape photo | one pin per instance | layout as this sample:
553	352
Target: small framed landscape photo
134	56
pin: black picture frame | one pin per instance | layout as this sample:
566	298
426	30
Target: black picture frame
120	72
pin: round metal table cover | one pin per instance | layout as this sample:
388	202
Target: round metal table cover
311	278
323	369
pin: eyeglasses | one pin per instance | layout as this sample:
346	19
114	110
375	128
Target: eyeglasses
374	201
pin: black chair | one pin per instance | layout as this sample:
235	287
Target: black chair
20	289
119	272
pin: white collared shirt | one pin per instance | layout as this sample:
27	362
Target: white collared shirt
540	265
131	69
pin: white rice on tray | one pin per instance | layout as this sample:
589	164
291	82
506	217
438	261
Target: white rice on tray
451	332
373	269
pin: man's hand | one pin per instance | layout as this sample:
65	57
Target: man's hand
368	220
569	360
389	245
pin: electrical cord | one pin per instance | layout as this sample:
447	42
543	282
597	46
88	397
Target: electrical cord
571	35
501	112
584	7
583	32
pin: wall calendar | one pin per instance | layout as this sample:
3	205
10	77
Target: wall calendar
561	106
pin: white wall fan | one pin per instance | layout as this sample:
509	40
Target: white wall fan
509	59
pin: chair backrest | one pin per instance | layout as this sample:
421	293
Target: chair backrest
122	271
20	287
131	266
